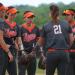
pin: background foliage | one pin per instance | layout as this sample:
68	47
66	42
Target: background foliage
41	12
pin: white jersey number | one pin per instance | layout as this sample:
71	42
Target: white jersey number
57	29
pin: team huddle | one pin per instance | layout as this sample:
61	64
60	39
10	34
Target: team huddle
56	42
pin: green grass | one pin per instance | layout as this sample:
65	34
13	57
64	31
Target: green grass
42	72
39	71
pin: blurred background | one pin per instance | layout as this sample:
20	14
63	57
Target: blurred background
39	7
41	10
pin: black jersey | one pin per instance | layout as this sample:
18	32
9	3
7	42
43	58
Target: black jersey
29	36
10	34
56	36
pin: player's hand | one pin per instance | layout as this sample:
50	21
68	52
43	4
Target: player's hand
32	54
43	59
17	48
10	56
23	59
42	62
8	46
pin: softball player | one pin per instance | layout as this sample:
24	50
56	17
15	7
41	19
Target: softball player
57	36
9	34
29	36
69	16
3	47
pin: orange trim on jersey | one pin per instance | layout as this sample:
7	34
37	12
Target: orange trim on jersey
29	28
10	25
51	49
72	50
72	23
12	11
66	50
73	30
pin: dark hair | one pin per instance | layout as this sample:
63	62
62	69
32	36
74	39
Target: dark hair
54	7
10	7
27	12
1	4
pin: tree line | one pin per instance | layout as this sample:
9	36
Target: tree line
41	12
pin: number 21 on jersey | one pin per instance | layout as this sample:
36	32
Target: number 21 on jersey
57	29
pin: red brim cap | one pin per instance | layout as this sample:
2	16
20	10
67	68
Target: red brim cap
29	15
12	11
68	12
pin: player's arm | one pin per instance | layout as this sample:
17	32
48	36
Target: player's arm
41	44
71	37
5	47
73	29
41	41
2	42
18	41
20	44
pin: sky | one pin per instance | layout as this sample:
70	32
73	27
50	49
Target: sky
32	2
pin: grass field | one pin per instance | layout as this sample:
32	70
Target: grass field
38	71
42	72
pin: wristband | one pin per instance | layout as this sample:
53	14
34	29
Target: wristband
41	49
21	47
23	52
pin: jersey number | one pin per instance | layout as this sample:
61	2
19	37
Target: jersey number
57	29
